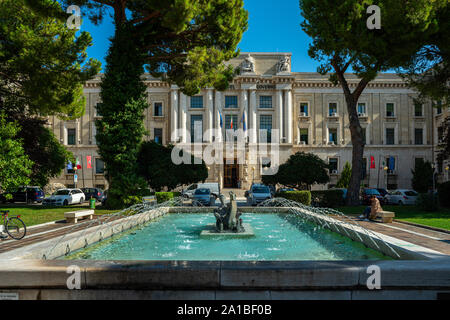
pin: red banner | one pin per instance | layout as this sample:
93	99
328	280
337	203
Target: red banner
372	162
88	161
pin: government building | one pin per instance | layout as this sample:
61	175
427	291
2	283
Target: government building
307	110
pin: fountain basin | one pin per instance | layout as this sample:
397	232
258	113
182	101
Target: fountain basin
210	232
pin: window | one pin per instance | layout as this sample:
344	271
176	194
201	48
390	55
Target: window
304	135
158	135
418	110
197	102
158	109
196	123
265	123
99	166
231	102
362	108
265	102
333	164
304	109
418	136
332	136
231	125
71	137
390	163
70	170
390	110
96	112
390	136
332	109
364	135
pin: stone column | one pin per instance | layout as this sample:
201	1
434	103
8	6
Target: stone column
218	107
288	112
252	118
183	109
209	115
280	113
174	114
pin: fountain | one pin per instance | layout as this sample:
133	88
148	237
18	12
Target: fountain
228	221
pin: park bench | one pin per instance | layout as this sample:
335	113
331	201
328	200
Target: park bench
149	199
386	216
74	216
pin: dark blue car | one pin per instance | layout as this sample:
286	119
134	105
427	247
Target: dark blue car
24	194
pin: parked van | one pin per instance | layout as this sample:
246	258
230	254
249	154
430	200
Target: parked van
213	187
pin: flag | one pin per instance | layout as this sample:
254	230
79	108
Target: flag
391	163
69	166
231	123
77	164
221	120
244	125
372	162
88	162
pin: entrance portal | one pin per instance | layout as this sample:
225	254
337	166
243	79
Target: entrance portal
231	175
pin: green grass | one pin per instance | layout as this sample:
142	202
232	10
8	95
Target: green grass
33	215
439	219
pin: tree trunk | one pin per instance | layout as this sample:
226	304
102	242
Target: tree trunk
357	152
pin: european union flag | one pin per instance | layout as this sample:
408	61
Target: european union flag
69	166
221	120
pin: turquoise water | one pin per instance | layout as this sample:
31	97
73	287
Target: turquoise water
277	237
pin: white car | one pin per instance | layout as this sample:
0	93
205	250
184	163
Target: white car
64	197
401	197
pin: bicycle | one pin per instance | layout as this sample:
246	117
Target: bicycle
13	226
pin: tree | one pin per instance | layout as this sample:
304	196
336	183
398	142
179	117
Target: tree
341	40
300	171
346	174
42	63
184	42
422	179
15	167
156	166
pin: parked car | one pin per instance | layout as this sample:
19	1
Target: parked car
402	196
272	190
27	194
212	186
257	194
285	190
96	193
382	191
204	196
367	193
105	197
64	197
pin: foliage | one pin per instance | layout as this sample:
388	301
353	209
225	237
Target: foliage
303	197
328	198
341	41
156	166
15	166
346	174
165	196
427	202
422	179
444	147
42	62
443	194
300	171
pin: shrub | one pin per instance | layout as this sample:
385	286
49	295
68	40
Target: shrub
444	194
166	196
427	202
303	197
328	198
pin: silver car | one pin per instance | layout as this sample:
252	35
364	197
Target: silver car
257	194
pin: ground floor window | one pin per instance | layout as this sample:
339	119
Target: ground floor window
304	136
99	166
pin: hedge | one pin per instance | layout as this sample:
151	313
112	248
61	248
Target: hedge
444	194
303	197
165	196
328	198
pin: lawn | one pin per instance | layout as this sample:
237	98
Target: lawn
37	214
439	219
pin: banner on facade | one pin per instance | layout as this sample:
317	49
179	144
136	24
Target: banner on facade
89	162
372	162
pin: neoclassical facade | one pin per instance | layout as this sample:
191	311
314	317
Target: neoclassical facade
308	112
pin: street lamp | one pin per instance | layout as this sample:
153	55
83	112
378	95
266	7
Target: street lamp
433	166
386	170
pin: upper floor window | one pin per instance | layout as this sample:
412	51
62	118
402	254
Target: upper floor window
265	102
390	110
439	107
99	166
231	102
362	108
332	136
390	136
196	128
332	109
231	123
71	136
304	136
418	109
333	164
197	102
265	123
157	109
304	109
418	136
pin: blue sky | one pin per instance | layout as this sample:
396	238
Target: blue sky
274	26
